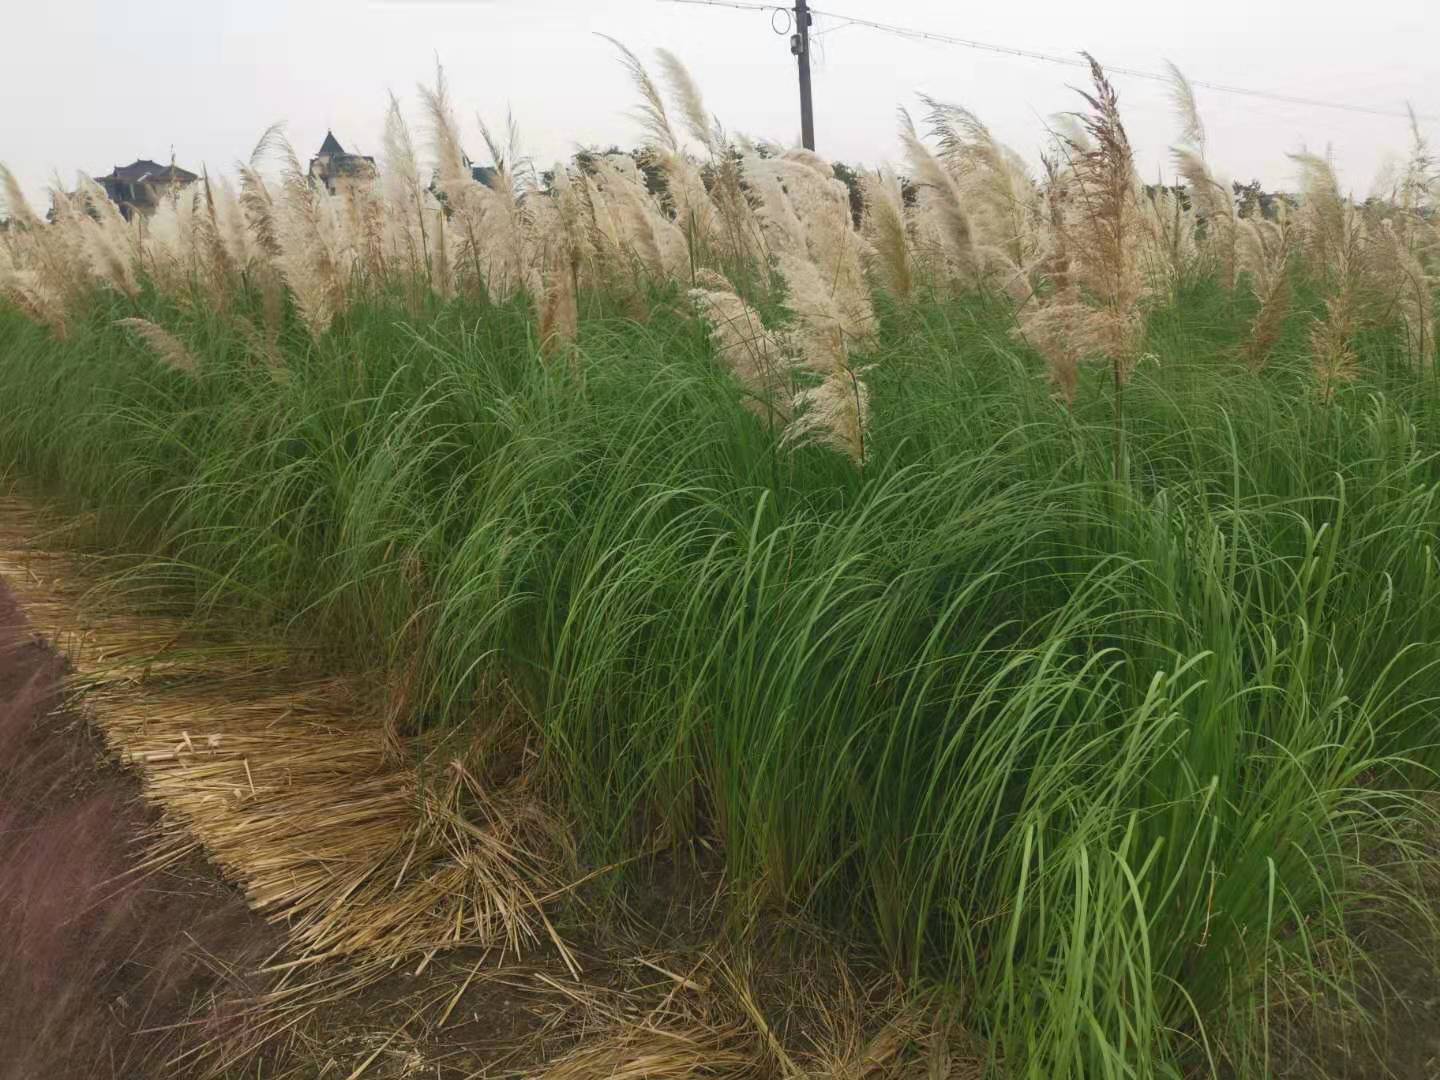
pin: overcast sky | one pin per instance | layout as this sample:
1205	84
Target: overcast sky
87	84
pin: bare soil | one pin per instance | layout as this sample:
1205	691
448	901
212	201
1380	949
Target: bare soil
101	970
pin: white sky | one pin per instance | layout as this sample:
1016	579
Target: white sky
87	84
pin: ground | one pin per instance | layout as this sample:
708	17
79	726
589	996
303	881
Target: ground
100	966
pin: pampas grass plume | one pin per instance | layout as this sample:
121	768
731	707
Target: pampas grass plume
168	348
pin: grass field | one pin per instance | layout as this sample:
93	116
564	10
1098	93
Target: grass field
1058	615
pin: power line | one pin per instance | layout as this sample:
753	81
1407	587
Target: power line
1135	73
739	5
916	34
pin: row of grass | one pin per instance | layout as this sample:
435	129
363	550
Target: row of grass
1109	737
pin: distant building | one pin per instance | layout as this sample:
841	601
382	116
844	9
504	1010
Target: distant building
136	188
336	169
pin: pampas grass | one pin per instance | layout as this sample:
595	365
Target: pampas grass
493	252
168	349
1411	229
753	354
559	313
1082	256
13	202
408	202
1263	254
627	227
652	113
1350	265
1100	289
834	413
888	233
943	205
805	214
1414	292
111	242
1210	195
695	212
1105	228
1172	241
703	128
1001	197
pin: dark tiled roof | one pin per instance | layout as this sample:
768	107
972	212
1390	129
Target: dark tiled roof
331	146
146	171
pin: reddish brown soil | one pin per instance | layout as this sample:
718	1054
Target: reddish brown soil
100	970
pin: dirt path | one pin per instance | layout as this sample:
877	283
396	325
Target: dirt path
99	969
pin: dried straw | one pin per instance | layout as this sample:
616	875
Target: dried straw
283	779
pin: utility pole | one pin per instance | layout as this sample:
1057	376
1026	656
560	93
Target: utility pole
800	47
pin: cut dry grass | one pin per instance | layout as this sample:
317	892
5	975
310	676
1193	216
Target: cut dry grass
712	1021
285	782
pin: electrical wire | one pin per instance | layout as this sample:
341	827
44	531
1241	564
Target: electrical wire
742	5
739	5
1134	73
916	34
